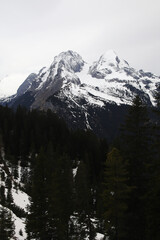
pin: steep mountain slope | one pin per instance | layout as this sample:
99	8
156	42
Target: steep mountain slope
26	84
78	91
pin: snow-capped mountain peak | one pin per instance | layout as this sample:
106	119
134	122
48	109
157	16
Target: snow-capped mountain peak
69	60
110	58
108	63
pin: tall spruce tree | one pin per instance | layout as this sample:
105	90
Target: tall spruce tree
115	195
135	146
60	199
36	220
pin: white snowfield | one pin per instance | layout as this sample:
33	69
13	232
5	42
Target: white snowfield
19	227
100	236
21	199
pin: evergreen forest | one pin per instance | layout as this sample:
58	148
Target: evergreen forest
78	183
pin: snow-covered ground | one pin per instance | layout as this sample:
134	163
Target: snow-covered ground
20	199
100	236
20	232
19	227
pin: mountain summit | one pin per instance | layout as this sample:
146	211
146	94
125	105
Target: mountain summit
69	60
108	63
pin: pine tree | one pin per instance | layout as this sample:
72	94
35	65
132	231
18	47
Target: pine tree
2	195
60	199
136	150
115	195
36	220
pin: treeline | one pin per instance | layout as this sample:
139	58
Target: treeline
78	184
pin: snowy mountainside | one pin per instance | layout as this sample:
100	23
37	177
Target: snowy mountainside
77	91
110	79
26	84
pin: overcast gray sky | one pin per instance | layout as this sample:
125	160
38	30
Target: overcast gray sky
32	32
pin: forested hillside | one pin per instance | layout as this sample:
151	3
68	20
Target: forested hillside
79	186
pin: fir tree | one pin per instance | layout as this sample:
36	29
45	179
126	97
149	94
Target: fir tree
60	199
36	220
136	150
115	195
